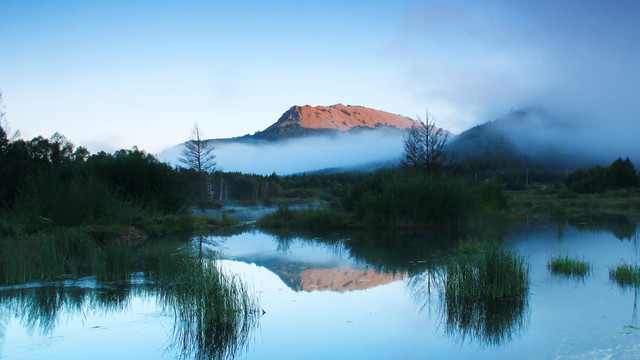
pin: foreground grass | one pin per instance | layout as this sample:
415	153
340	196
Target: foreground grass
625	275
566	266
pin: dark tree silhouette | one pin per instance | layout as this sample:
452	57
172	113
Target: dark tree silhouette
424	145
622	174
198	155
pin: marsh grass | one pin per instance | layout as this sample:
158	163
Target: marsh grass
568	267
489	273
307	219
114	262
44	256
625	275
485	293
215	310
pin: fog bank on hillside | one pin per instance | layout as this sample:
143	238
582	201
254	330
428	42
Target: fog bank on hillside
304	154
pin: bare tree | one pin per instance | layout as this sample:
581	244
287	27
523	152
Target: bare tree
198	155
4	137
424	145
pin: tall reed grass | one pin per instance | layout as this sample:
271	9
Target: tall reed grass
216	311
488	274
485	293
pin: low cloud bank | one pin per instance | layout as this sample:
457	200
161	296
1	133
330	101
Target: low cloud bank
540	133
304	154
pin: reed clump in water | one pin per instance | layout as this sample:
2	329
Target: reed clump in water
625	275
488	273
566	266
215	310
485	290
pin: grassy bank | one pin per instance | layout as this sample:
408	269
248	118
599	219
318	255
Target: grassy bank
308	219
52	252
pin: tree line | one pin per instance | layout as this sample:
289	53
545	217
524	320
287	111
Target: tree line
621	174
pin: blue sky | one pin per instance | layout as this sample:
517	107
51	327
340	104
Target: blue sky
114	74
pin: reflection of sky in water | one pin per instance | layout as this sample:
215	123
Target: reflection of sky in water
139	332
567	319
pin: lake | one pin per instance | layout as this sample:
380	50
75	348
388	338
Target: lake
373	295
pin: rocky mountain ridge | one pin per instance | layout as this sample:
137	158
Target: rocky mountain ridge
305	121
341	117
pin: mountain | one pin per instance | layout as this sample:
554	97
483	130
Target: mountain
304	121
532	137
313	138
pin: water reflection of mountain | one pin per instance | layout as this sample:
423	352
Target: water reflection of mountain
387	252
362	260
339	274
339	279
337	262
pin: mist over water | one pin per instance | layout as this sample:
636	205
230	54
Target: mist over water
347	150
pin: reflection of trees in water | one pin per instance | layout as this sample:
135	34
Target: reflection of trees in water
389	252
214	313
619	225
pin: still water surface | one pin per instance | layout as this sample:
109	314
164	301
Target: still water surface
348	296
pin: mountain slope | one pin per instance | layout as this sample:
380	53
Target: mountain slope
306	139
529	137
340	117
304	121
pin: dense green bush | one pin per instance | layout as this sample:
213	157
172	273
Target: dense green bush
395	197
50	182
139	178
